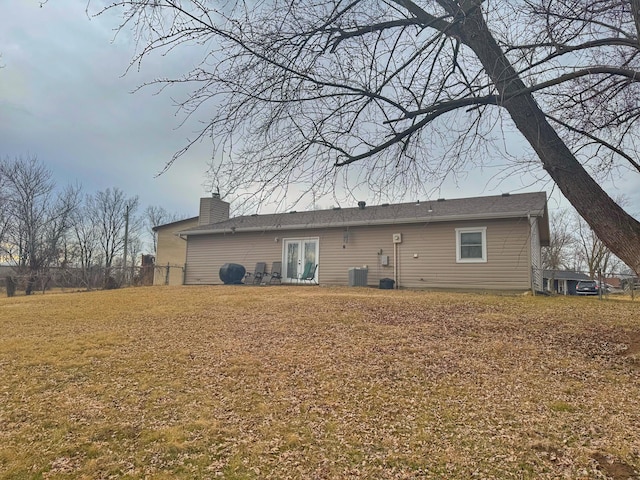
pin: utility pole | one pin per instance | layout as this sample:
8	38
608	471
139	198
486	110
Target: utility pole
126	242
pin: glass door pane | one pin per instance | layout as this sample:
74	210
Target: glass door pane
310	251
310	248
293	259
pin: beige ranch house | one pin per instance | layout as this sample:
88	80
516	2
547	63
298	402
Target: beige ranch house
487	243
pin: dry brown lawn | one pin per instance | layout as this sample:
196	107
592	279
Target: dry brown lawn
317	383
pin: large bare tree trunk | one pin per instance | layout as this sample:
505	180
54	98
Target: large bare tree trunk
616	228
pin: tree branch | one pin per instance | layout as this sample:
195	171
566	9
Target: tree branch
597	140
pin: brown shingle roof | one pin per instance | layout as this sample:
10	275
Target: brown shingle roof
499	206
173	224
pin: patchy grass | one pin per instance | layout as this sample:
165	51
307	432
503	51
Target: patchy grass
297	383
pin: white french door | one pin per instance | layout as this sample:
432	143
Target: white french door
297	253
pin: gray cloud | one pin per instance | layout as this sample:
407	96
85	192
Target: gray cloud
63	98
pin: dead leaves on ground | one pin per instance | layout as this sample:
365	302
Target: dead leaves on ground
248	382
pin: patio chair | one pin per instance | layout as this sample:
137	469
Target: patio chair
258	273
309	273
276	272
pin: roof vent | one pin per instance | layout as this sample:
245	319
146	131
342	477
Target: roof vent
292	211
506	194
361	205
336	208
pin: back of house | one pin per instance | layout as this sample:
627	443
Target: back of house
486	243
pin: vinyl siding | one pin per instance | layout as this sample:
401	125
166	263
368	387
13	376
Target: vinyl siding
207	253
426	256
172	251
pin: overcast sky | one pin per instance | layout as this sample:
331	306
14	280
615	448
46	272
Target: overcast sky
65	99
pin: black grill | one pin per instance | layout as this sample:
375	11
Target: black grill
232	273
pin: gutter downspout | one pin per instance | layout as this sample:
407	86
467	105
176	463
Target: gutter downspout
395	265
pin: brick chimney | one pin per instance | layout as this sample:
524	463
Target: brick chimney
213	210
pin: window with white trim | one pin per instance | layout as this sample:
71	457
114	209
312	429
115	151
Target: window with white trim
471	245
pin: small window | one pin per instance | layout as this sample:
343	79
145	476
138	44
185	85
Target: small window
471	245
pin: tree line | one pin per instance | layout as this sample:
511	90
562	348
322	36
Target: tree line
574	246
44	226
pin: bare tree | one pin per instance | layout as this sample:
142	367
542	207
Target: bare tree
85	241
38	216
592	251
108	208
400	92
155	216
4	206
134	240
557	256
135	248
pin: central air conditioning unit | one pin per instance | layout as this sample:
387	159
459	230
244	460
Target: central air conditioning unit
358	277
397	238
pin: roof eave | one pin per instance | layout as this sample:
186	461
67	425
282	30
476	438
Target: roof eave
366	223
165	225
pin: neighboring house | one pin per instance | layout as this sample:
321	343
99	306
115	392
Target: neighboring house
488	243
171	252
613	283
562	281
